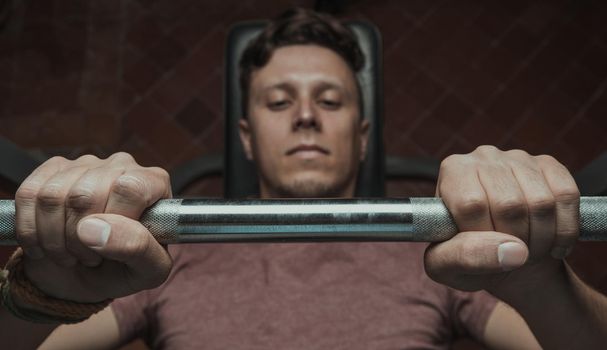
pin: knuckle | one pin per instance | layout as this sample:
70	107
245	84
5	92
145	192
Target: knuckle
517	154
567	195
131	188
50	197
122	157
452	160
486	149
513	207
472	206
27	192
544	206
87	158
56	160
160	173
81	200
544	158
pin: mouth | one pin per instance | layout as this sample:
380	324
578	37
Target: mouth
307	151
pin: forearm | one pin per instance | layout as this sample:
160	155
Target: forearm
563	312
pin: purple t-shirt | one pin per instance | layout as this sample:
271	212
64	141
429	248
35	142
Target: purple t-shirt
301	296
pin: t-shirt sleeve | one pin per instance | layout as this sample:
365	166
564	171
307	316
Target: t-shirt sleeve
470	312
132	314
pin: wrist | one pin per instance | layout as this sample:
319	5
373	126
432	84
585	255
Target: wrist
24	300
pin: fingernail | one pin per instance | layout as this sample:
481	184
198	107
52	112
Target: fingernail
511	255
34	253
94	232
560	252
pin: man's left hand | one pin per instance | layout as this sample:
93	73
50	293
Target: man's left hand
518	217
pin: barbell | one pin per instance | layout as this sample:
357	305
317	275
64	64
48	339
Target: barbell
303	220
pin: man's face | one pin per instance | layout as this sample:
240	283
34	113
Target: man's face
303	129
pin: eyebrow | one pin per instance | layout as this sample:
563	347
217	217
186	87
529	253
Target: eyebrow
280	86
321	87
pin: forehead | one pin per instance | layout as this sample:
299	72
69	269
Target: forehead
304	64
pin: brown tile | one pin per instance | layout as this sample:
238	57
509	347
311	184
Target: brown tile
476	86
597	112
401	110
169	12
72	8
195	117
594	60
425	89
431	135
483	131
540	17
213	139
397	67
534	135
453	112
166	53
588	140
500	63
194	26
580	85
101	129
391	21
100	97
172	92
144	33
212	93
142	75
520	42
417	8
494	20
556	108
469	44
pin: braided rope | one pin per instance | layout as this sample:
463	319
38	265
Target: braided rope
17	285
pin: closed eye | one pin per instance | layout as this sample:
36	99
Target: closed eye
330	104
279	105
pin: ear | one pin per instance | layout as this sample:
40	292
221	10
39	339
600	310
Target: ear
244	130
364	138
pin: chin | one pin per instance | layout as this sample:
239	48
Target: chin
312	187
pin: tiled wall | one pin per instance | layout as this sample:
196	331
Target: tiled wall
145	76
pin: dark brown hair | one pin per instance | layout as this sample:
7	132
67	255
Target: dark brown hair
299	26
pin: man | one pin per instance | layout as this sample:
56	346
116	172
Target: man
77	223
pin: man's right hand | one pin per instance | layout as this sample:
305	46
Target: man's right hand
77	223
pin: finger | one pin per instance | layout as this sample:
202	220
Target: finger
507	203
462	193
50	215
88	195
25	206
460	261
136	190
540	204
128	243
567	197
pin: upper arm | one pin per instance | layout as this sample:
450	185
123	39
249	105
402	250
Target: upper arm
100	331
506	329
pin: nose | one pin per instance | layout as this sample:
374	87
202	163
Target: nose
306	117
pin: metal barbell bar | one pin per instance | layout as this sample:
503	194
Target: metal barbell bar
297	220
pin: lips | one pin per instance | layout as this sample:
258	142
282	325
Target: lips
307	148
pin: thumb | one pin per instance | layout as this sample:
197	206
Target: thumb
126	243
461	259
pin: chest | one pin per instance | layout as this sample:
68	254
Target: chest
327	296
